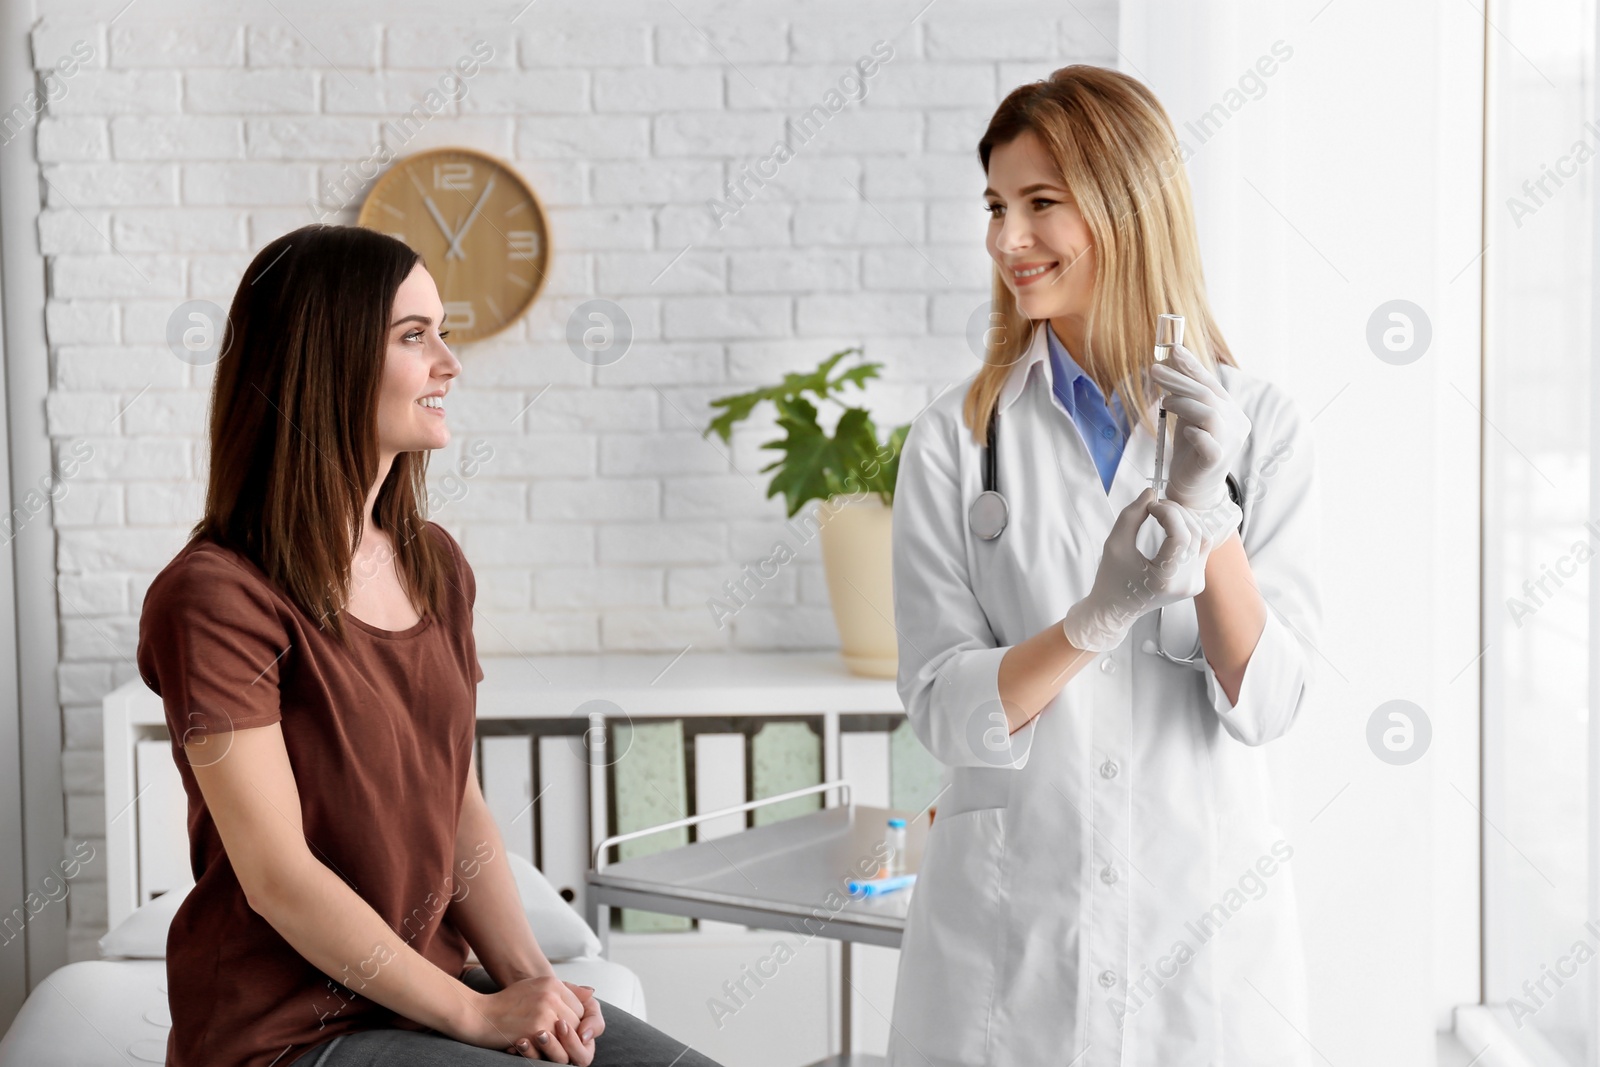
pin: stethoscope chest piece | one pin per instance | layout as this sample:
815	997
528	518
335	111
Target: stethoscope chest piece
987	515
989	511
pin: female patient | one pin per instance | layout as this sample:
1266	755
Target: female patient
312	644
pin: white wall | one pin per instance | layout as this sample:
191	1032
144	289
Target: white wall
604	521
1351	178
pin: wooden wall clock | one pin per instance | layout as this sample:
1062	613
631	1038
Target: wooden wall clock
479	228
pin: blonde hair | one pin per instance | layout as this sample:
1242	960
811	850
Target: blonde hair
1118	155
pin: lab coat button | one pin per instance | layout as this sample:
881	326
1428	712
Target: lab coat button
1108	665
1108	769
1109	875
1108	978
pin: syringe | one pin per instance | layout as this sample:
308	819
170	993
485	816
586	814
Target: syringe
1169	332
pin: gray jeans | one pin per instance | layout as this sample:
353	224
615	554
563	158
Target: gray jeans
627	1042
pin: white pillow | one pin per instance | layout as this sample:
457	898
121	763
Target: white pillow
561	931
143	935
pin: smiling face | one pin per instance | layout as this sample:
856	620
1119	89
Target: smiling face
1038	239
417	364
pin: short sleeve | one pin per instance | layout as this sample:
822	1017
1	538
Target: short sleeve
468	584
212	645
471	584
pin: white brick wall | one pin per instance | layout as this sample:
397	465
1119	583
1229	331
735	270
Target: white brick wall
603	520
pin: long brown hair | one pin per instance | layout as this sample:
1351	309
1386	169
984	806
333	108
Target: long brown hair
1118	155
294	447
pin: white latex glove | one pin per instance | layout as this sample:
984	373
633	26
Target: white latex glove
1128	583
1209	434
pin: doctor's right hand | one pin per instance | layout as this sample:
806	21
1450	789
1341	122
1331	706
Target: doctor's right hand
1129	583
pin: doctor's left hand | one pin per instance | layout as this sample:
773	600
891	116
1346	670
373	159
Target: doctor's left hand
1210	431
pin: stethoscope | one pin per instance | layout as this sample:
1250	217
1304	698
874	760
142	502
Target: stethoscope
989	512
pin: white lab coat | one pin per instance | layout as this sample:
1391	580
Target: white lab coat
1066	873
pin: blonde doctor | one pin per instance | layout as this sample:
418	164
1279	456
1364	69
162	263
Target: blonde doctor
1105	882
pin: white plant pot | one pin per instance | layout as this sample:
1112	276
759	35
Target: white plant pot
857	555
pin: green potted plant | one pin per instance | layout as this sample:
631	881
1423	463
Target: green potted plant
852	473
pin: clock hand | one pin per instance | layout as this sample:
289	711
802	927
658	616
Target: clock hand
432	210
455	243
444	227
455	235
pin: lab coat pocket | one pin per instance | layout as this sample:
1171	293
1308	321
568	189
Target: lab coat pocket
953	940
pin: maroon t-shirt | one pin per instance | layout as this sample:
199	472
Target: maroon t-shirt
379	737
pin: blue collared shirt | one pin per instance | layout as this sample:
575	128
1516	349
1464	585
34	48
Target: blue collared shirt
1103	428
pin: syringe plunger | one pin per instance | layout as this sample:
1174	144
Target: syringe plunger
1169	332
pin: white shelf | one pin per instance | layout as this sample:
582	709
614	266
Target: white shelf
700	683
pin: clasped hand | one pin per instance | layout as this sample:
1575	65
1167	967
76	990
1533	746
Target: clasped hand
544	1018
